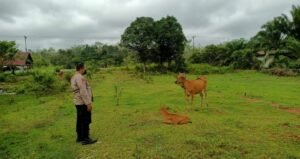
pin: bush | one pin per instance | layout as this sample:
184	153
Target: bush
295	64
280	72
7	78
43	83
244	59
68	76
179	66
57	69
143	76
23	73
2	78
205	69
10	78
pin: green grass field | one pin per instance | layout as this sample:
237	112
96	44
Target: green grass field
258	125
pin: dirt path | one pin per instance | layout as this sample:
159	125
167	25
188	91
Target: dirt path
291	110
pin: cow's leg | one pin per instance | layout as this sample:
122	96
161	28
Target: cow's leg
206	100
192	102
201	100
186	102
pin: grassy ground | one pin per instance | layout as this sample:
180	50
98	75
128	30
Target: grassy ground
248	117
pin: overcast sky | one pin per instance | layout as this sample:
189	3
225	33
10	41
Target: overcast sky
65	23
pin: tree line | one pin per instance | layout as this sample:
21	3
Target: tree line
162	42
97	54
277	44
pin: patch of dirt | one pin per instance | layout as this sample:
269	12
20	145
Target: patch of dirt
285	108
293	137
293	110
276	105
252	99
289	125
286	136
273	104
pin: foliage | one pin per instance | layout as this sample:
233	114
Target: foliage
170	41
8	50
244	59
280	72
7	78
100	55
156	41
278	39
67	76
233	53
295	22
44	83
140	37
2	77
42	57
205	69
281	36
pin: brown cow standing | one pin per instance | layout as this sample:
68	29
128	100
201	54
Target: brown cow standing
193	87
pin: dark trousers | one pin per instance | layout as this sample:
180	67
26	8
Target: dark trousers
83	122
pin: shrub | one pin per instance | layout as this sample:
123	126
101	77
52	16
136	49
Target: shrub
10	78
280	72
57	69
92	68
68	76
7	78
2	78
43	83
205	69
24	73
295	64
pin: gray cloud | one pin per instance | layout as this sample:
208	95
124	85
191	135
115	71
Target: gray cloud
64	23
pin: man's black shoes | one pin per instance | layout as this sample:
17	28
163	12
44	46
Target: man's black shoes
79	140
88	141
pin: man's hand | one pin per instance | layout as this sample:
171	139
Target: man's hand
89	107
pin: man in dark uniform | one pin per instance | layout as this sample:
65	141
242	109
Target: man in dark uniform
83	102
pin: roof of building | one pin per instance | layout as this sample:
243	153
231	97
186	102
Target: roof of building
20	59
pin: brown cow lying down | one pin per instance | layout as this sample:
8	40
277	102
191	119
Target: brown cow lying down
170	118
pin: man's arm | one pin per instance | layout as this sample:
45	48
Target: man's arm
81	83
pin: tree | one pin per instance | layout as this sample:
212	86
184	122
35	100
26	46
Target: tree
271	39
158	42
244	59
295	24
224	56
170	41
8	50
206	55
140	37
273	33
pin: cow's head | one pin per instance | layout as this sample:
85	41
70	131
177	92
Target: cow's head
164	108
180	78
